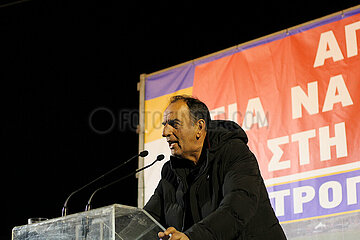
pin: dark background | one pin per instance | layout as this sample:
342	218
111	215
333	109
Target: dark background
64	60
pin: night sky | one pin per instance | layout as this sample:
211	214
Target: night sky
69	78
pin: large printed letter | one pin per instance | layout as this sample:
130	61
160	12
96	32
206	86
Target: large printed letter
273	145
233	113
309	101
350	36
324	198
302	195
339	140
327	48
336	84
254	114
279	201
303	139
351	190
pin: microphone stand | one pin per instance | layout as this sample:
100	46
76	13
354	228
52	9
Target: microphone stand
64	209
88	205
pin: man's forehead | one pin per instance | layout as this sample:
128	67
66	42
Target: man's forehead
168	114
176	110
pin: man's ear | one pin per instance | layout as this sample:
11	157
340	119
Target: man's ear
201	127
201	123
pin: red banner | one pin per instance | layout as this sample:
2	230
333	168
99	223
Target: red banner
297	97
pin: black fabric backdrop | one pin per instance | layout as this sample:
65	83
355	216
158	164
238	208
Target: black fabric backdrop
64	60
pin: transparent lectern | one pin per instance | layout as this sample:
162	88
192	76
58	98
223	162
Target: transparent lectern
113	222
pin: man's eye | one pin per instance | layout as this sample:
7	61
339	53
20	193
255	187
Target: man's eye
174	125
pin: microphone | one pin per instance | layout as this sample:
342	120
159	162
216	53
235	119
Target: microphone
158	158
64	209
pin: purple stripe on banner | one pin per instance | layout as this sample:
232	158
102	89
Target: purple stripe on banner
169	81
316	197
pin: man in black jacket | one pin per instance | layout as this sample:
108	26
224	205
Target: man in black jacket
212	187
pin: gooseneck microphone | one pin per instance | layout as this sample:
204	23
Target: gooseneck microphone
158	158
64	209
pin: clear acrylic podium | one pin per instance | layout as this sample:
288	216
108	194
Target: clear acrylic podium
113	222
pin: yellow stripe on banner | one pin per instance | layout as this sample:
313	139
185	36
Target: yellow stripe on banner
154	109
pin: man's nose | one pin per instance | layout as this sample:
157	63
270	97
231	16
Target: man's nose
166	131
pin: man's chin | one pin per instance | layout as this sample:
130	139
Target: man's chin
175	153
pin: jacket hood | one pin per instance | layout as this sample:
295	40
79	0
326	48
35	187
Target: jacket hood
220	131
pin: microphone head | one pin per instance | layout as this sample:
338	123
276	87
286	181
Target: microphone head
144	153
160	157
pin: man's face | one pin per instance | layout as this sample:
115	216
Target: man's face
180	132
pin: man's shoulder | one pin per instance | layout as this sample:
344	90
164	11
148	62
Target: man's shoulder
233	145
234	150
166	171
166	167
168	176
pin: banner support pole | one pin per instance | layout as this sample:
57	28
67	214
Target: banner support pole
141	132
